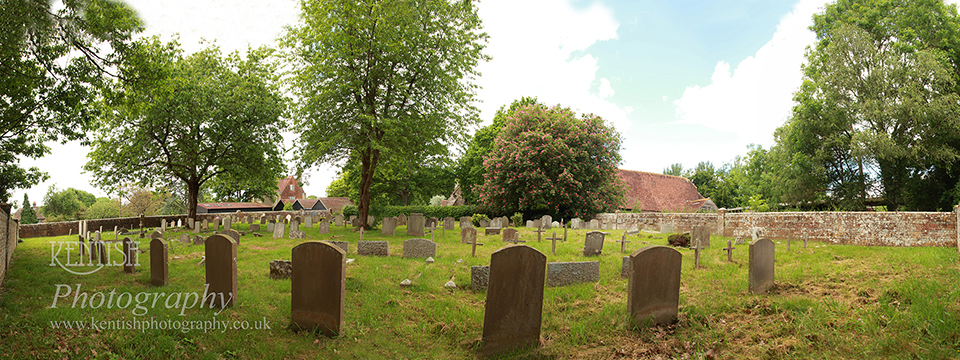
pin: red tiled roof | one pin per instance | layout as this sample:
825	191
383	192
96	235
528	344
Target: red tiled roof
660	193
335	204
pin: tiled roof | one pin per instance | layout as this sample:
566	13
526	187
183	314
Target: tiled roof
335	204
660	193
283	189
307	204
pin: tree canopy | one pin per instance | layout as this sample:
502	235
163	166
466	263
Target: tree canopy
547	160
52	63
27	214
190	119
383	79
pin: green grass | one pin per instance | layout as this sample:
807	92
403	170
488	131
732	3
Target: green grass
829	301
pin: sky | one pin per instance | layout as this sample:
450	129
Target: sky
682	81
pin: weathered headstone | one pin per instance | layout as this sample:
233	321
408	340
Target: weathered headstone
496	223
479	277
468	235
163	225
317	287
156	234
700	235
530	223
449	223
466	221
324	226
278	230
575	223
294	225
129	255
402	220
159	274
338	220
233	234
538	223
221	271
595	224
415	225
371	220
546	221
227	223
484	223
308	222
373	248
271	226
343	245
190	223
491	231
761	268
568	273
419	248
653	292
254	227
184	238
510	235
388	226
593	244
514	304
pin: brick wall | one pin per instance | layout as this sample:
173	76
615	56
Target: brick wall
8	239
854	228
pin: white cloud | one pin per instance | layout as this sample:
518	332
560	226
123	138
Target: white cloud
754	99
533	45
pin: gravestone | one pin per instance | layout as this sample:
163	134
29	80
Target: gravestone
538	223
221	268
317	287
338	220
546	221
700	236
294	225
530	223
466	221
389	226
163	225
568	273
653	292
496	223
419	248
761	270
479	277
233	234
254	227
514	303
755	233
190	223
449	223
227	222
308	222
324	227
594	224
184	238
625	267
343	245
263	219
373	248
278	229
575	223
484	223
468	235
510	235
554	224
199	240
415	224
159	274
129	255
433	222
206	225
491	231
156	234
593	244
402	220
354	222
371	220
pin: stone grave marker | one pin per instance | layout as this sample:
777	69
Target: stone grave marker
415	224
354	221
199	240
156	234
402	220
575	223
514	303
278	230
373	248
338	220
190	223
317	287
294	225
324	226
254	227
653	292
130	255
593	244
263	219
233	234
159	274
491	231
466	221
221	268
448	223
696	255
371	220
343	245
755	233
510	235
700	235
538	223
184	238
388	226
529	223
308	222
568	273
163	225
546	221
761	270
729	250
206	225
496	223
419	248
468	235
479	277
484	223
227	222
595	224
271	226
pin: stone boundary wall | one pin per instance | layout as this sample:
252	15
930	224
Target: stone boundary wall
71	227
8	239
851	228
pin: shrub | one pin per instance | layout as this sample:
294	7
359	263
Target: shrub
479	217
679	240
439	212
517	219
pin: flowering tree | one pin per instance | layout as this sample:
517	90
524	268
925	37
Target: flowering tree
548	160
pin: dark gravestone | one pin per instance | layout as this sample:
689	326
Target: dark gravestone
159	274
593	245
700	235
388	226
419	248
233	234
653	293
317	287
514	305
221	264
129	255
761	266
373	248
568	273
468	235
415	224
510	235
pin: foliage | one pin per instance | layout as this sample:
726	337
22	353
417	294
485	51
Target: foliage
67	204
548	160
27	215
675	169
396	182
517	219
477	218
141	201
470	168
190	119
53	61
439	212
104	208
383	81
437	200
679	240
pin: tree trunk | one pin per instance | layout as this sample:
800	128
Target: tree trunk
193	190
368	164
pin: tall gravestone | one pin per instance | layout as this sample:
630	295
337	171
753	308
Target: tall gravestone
324	226
761	266
308	222
653	292
388	226
221	268
227	223
338	220
129	256
468	235
466	221
278	229
317	287
159	270
700	235
593	245
294	225
415	224
514	304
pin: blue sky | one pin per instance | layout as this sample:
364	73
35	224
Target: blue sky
683	81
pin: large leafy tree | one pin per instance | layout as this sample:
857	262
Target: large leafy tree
397	181
190	118
66	204
470	169
52	62
380	79
548	160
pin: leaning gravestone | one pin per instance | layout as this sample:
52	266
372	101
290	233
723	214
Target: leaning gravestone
415	224
373	248
317	287
419	248
593	245
468	235
761	266
510	235
514	304
700	236
388	226
156	234
159	274
448	223
568	273
278	230
233	234
653	292
324	226
221	258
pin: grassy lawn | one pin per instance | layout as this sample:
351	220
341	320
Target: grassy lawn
829	301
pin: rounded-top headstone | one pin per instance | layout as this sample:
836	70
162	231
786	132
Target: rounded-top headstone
514	304
653	292
318	284
761	269
221	269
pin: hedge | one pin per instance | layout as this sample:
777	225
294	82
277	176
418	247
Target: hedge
439	212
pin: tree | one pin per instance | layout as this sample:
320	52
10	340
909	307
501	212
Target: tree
104	208
470	169
396	182
141	201
62	205
190	119
675	169
548	160
383	79
27	215
52	63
